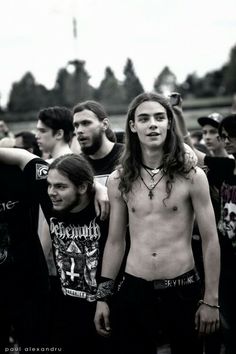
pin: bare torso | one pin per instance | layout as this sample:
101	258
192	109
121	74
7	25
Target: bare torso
160	231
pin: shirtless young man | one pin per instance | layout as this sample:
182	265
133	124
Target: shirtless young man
155	192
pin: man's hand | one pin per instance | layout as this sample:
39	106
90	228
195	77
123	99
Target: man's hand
178	109
190	158
101	319
207	320
101	202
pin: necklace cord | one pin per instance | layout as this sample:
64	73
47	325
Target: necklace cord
150	194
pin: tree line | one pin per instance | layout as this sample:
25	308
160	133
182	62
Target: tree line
73	86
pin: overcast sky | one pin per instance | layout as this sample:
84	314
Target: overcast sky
188	36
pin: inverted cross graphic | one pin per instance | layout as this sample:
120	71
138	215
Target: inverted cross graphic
72	273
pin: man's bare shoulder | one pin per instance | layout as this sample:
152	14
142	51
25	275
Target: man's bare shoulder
113	184
196	172
197	178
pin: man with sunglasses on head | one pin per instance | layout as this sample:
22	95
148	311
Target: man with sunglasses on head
223	171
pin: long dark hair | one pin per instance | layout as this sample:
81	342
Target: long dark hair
131	160
76	168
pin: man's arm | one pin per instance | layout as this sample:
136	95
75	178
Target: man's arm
207	317
182	129
45	238
101	201
115	245
17	157
113	253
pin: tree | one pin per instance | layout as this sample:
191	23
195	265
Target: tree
61	87
131	84
230	73
110	91
72	87
165	82
26	95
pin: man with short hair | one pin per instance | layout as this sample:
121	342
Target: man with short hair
213	142
55	131
91	123
27	140
157	194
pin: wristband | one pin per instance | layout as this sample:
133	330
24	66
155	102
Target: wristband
105	289
202	302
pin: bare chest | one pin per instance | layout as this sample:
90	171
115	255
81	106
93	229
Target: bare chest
158	197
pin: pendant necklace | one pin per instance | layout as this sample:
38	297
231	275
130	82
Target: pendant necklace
154	171
153	174
152	186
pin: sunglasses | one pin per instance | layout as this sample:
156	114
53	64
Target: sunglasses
224	137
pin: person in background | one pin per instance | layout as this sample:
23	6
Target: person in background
222	170
210	135
158	195
91	124
4	131
214	147
24	295
27	140
54	131
7	142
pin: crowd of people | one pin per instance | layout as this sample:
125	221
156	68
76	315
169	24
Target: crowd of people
109	247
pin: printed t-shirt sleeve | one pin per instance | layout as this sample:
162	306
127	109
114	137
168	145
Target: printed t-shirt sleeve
35	173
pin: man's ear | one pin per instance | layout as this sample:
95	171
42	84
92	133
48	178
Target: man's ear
105	124
59	134
82	188
132	127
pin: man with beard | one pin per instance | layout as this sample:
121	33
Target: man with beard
91	123
78	238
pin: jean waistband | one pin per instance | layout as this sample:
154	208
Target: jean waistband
185	279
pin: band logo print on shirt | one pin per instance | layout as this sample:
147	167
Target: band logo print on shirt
41	171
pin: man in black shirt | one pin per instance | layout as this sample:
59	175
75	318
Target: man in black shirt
223	176
23	270
24	278
91	123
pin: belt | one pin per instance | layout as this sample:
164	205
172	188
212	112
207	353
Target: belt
188	278
185	279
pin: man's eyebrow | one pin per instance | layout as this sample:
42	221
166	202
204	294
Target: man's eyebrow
142	114
146	114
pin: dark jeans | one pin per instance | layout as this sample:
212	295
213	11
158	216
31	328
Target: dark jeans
227	297
25	311
73	329
140	311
